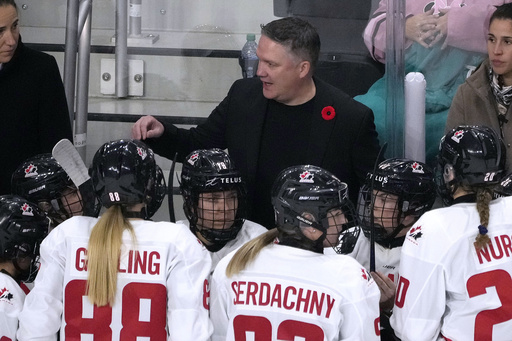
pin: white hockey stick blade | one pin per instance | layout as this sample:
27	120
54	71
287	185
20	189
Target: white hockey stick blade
69	159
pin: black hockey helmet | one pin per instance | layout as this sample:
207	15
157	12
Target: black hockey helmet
23	226
124	172
41	180
304	196
208	171
469	156
503	188
399	188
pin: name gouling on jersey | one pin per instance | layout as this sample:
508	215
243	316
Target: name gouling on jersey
138	262
286	297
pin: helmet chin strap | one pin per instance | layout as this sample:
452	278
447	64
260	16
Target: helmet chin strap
391	241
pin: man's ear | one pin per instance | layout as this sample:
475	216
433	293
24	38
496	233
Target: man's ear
305	67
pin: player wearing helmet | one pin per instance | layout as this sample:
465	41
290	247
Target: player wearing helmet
456	267
141	278
214	201
280	285
504	188
390	202
22	228
40	179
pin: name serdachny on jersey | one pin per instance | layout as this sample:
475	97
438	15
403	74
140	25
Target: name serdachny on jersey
286	297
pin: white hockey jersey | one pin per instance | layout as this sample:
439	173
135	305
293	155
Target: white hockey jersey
160	287
249	230
11	303
449	291
288	293
386	260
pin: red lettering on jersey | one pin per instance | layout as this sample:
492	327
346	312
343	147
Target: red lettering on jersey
401	291
206	295
330	304
499	247
289	298
5	338
376	325
276	296
305	300
238	292
264	294
81	259
252	289
287	305
146	262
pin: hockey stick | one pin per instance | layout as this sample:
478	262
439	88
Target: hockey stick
170	189
67	156
69	159
372	203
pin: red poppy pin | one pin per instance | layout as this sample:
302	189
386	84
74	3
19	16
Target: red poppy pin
328	113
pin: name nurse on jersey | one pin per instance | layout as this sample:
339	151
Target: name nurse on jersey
282	296
499	249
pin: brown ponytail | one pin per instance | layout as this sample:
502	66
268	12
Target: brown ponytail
483	198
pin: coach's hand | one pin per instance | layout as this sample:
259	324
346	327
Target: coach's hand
147	127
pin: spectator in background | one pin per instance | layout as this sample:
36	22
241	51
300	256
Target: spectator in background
33	106
485	97
445	41
283	118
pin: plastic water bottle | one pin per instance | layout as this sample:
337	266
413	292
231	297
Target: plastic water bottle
248	58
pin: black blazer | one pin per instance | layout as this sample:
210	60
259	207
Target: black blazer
346	145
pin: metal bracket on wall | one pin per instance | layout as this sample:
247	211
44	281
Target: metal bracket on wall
135	77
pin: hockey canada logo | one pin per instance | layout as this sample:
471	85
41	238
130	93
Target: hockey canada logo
193	158
366	275
458	135
306	177
27	210
142	153
417	168
415	234
30	171
5	295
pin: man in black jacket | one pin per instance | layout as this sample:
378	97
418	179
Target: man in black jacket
283	118
33	106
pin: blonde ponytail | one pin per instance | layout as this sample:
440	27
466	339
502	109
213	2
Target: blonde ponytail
103	255
248	252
